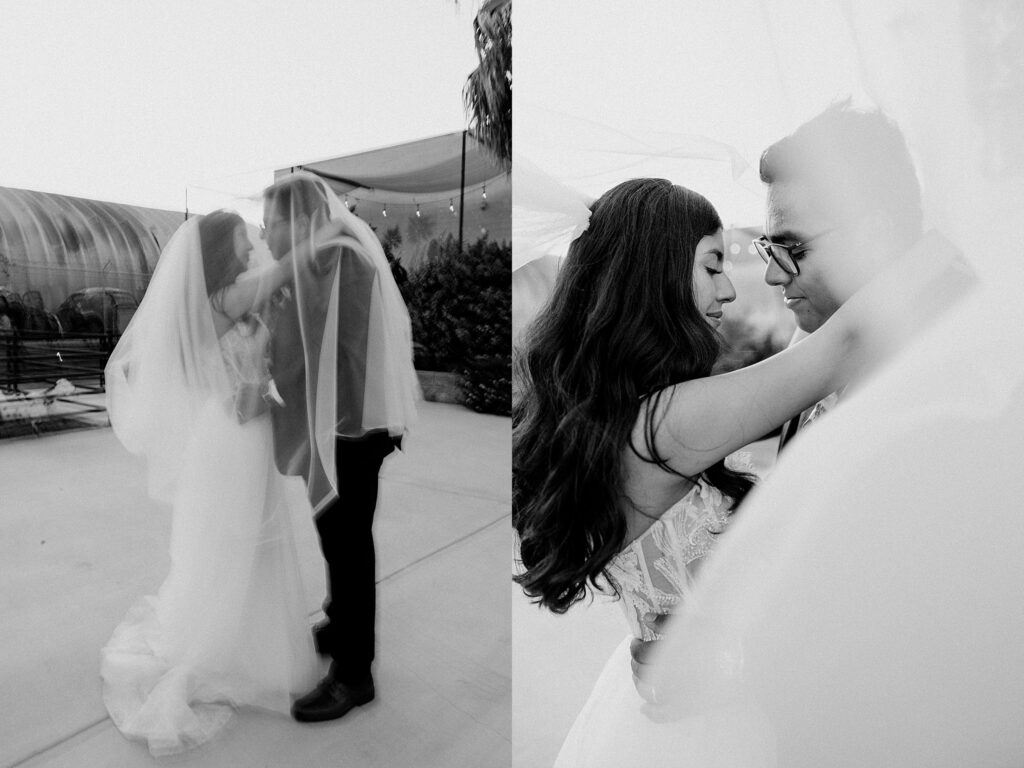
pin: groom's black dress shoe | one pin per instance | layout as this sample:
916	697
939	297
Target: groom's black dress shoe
332	699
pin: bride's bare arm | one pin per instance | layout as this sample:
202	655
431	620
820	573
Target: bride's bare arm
703	420
254	287
706	419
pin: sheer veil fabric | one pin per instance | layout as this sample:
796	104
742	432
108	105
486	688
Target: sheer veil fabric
167	364
228	627
355	374
864	609
548	214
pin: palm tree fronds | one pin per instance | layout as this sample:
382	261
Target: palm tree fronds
488	90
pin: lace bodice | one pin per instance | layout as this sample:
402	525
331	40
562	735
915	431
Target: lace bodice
653	572
244	349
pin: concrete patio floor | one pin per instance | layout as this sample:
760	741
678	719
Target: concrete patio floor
80	540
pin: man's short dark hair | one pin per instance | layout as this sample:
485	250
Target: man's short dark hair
296	195
863	151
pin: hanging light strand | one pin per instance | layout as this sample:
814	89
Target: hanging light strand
422	206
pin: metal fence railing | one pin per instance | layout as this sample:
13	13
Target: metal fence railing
32	367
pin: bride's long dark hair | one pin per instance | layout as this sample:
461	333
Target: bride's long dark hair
216	241
621	325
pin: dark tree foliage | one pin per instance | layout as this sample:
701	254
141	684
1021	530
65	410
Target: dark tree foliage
461	311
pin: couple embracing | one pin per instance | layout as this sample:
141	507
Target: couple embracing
229	378
625	474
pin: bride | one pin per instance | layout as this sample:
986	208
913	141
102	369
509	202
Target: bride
188	388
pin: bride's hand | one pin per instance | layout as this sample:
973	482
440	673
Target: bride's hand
640	651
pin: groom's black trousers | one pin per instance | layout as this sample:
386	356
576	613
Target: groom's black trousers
346	540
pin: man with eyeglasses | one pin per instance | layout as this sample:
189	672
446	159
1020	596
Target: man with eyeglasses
372	387
843	202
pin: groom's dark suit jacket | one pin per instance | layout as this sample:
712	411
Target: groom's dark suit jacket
345	524
288	362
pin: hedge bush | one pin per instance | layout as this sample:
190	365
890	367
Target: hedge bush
461	310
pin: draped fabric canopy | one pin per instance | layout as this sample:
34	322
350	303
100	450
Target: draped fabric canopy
415	195
429	166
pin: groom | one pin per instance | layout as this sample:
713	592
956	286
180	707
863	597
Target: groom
843	203
293	207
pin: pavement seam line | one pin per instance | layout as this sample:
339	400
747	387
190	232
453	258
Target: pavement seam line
449	545
418	560
407	566
452	491
63	739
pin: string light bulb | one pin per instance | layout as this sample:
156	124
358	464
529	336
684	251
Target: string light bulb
451	205
417	210
385	211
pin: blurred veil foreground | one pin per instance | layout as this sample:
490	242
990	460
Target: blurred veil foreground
865	607
228	625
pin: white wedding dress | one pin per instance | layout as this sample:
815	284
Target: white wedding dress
228	626
654	574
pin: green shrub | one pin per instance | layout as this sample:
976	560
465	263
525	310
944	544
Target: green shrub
461	311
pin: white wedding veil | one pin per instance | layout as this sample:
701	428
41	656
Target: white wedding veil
865	607
392	387
343	341
167	364
352	335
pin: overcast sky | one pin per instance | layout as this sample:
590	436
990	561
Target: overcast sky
133	101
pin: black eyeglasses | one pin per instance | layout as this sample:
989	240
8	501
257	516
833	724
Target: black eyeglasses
782	253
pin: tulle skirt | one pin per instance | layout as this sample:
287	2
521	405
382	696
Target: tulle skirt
617	728
228	627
